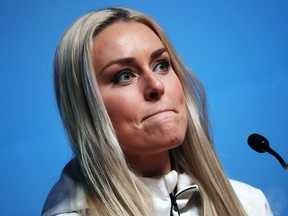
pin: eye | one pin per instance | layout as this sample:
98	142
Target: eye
123	77
162	65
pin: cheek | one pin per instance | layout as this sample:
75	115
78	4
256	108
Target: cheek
116	107
177	93
177	90
121	109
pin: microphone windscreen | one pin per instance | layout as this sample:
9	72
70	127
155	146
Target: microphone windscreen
258	143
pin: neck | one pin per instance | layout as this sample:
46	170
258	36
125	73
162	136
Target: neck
151	165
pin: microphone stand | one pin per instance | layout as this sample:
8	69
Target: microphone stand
279	158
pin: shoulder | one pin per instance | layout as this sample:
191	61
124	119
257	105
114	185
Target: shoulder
252	199
67	195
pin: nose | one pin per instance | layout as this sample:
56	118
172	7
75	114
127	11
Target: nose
154	87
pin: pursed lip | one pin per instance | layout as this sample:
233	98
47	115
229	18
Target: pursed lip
157	112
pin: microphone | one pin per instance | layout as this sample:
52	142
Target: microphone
260	144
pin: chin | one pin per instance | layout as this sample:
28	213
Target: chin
172	142
177	142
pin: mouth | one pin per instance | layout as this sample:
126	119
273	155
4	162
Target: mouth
156	113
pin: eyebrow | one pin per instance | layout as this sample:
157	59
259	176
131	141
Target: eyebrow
157	53
130	60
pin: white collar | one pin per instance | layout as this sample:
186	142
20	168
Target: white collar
161	188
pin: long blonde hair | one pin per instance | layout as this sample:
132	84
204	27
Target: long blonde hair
110	185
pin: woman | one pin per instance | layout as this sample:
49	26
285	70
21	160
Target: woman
136	118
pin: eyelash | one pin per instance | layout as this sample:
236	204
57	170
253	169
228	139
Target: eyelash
119	77
164	63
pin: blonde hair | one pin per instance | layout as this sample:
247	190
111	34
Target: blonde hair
110	185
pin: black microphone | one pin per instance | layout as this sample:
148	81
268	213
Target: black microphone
260	144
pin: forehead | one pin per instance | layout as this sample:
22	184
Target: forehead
125	37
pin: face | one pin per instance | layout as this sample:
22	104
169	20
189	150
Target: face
141	92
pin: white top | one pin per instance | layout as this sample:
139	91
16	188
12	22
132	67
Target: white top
252	199
60	202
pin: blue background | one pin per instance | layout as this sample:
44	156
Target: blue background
239	49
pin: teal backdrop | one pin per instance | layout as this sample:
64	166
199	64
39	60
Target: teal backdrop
238	49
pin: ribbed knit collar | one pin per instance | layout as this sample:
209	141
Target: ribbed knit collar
182	188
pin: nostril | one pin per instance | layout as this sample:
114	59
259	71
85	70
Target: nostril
154	96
